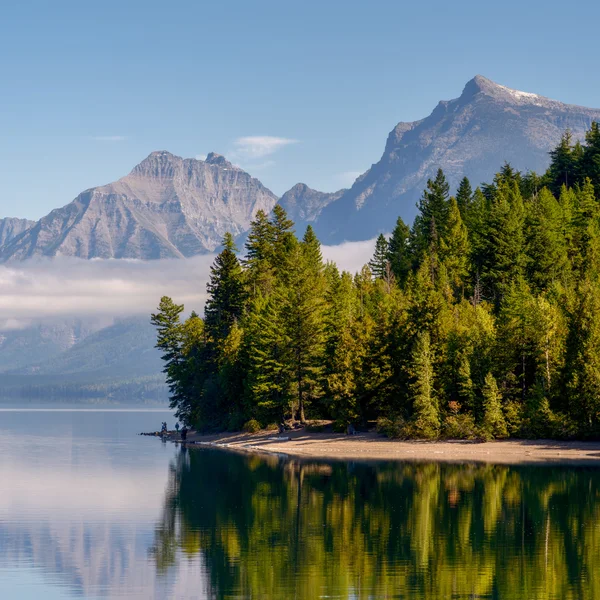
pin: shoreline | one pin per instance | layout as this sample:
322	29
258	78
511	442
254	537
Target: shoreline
372	446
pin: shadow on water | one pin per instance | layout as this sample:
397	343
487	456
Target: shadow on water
269	527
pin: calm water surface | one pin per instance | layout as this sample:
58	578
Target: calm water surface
90	510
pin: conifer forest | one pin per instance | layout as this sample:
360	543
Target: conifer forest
481	320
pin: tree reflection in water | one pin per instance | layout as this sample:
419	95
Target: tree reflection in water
269	527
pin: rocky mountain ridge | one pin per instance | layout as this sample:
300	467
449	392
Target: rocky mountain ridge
472	135
167	207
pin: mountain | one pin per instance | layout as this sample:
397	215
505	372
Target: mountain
167	207
42	341
472	135
10	228
304	205
125	348
83	359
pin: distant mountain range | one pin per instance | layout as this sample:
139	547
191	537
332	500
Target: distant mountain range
82	359
170	207
174	207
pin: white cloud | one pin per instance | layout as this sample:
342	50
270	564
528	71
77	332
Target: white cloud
258	146
109	138
200	156
75	288
350	256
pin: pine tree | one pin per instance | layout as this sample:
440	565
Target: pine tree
466	389
303	311
590	162
170	343
503	251
283	238
431	222
582	364
379	264
546	245
494	423
342	348
454	250
259	255
226	292
464	196
311	248
564	166
586	224
399	254
426	417
269	375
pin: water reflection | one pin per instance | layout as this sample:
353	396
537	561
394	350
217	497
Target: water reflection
274	528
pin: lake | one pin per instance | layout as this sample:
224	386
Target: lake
89	509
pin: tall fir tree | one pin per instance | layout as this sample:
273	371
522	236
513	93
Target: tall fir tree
426	418
590	161
226	292
303	317
379	263
503	252
464	196
494	423
258	262
431	222
454	250
564	167
547	252
399	253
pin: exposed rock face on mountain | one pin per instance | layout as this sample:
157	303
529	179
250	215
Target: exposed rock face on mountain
166	207
472	135
10	228
304	205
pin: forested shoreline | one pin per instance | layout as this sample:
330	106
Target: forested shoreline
479	321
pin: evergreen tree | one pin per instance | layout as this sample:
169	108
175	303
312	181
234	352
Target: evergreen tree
259	255
170	342
454	249
426	419
226	293
343	348
546	244
431	221
399	254
503	252
380	264
582	365
312	250
494	424
464	196
303	311
563	170
283	238
586	224
270	376
590	161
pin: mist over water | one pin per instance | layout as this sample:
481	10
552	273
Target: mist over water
45	289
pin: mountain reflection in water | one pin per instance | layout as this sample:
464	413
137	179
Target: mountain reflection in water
268	527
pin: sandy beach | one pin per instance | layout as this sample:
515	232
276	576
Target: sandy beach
372	446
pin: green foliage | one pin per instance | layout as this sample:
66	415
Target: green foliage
380	264
251	426
502	280
425	410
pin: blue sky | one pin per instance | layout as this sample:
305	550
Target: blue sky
90	88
